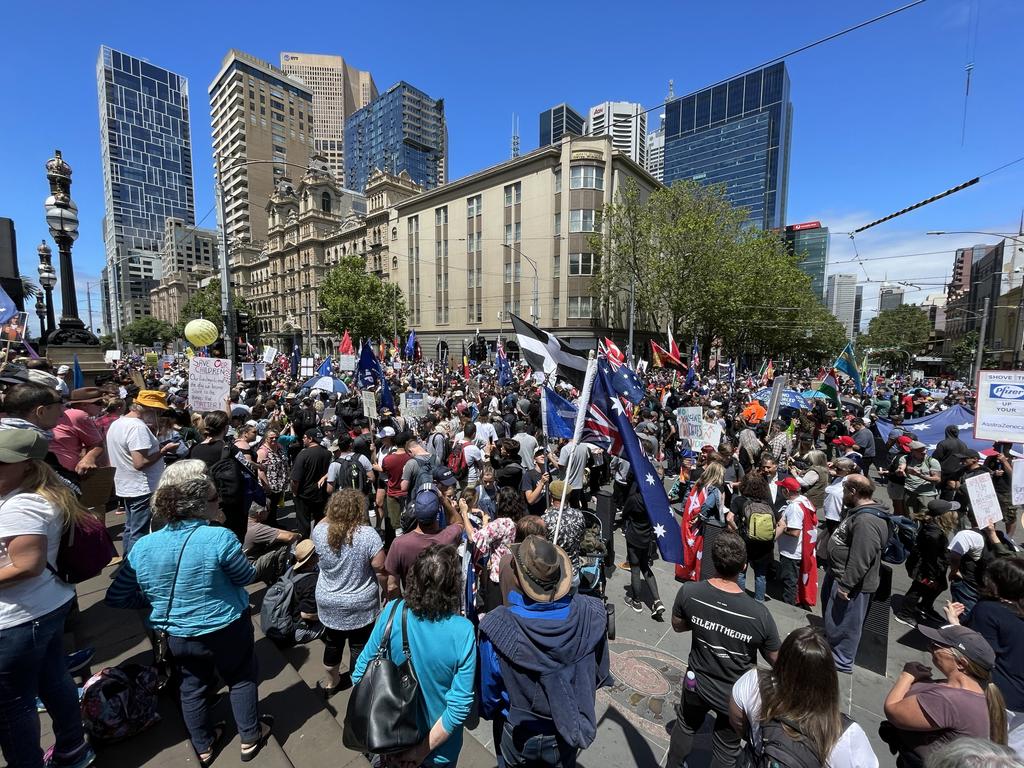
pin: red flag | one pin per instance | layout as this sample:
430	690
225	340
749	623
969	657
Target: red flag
662	359
614	353
693	539
345	347
672	348
807	586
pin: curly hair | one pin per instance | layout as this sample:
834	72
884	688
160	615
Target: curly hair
433	585
511	504
186	500
345	512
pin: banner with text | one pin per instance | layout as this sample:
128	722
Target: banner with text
690	422
983	498
999	411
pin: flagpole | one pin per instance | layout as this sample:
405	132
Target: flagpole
577	433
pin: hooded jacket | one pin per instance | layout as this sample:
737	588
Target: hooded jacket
855	549
552	668
948	451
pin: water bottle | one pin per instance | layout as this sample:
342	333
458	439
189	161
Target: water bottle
690	682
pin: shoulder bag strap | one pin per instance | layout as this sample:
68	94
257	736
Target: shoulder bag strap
177	567
405	634
385	642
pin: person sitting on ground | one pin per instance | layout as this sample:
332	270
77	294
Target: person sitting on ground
267	547
797	704
974	753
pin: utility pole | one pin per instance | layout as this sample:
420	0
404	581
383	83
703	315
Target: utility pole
979	357
632	311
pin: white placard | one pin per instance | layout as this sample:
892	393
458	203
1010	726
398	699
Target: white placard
982	494
1018	482
690	422
415	404
999	411
306	367
111	355
347	362
254	371
209	381
369	398
712	434
269	355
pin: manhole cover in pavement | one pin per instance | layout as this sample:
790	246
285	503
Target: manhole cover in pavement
648	683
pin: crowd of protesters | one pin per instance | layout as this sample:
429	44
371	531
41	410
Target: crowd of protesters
484	537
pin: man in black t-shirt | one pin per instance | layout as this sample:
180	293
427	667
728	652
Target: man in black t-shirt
729	629
309	481
534	484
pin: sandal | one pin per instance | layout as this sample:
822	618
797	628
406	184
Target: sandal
249	751
207	757
327	691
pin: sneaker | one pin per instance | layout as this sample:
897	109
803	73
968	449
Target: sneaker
907	619
657	610
635	605
79	660
83	759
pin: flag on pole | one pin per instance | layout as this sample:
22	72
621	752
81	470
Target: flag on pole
830	388
368	370
695	355
660	358
545	352
559	415
504	369
387	399
410	346
325	368
673	350
345	347
847	363
625	382
77	377
615	355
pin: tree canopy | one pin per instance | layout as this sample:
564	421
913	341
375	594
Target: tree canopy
354	300
700	269
205	303
148	332
897	334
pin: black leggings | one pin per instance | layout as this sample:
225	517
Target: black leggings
640	573
334	644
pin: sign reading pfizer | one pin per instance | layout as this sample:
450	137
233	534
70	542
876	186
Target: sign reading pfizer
999	411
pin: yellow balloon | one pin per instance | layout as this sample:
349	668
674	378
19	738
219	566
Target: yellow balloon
201	332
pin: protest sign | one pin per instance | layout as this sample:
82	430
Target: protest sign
254	371
999	412
269	354
778	384
209	381
306	366
152	358
415	404
1018	482
369	398
691	426
111	355
347	362
712	434
983	498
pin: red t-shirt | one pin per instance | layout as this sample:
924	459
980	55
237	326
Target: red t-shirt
908	405
393	465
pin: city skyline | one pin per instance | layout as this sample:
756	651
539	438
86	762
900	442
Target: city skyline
843	171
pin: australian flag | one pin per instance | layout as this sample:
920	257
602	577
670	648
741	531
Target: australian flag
625	443
368	372
504	369
8	309
626	383
296	355
325	368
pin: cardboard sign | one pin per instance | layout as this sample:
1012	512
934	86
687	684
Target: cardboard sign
347	362
254	371
209	381
1018	482
982	494
712	434
778	384
415	404
999	411
269	354
369	398
14	329
111	355
690	422
152	358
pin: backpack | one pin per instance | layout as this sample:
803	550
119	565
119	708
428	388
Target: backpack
277	621
351	474
226	474
457	461
423	472
445	449
902	536
760	521
119	702
780	750
894	465
85	550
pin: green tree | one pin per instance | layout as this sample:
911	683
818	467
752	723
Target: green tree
961	356
148	332
107	341
205	303
367	307
897	334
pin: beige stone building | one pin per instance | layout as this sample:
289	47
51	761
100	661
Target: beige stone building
187	256
339	89
513	238
258	113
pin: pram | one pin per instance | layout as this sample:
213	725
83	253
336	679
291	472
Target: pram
592	576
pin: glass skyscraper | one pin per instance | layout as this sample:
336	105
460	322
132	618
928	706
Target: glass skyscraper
736	133
558	121
403	129
810	241
146	147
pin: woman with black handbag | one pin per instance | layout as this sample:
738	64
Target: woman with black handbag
415	713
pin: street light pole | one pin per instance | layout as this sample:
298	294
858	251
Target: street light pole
980	355
632	312
225	275
535	309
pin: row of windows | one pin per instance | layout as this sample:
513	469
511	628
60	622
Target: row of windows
586	177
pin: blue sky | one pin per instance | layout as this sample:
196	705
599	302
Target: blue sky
877	123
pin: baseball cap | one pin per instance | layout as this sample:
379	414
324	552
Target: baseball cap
917	445
426	506
962	639
313	434
938	507
18	445
845	441
444	476
386	432
790	484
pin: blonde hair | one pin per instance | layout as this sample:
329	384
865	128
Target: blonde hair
345	512
713	474
41	479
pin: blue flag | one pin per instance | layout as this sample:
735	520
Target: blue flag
295	361
325	368
387	399
77	377
7	307
368	372
559	415
628	384
847	363
410	346
666	527
504	369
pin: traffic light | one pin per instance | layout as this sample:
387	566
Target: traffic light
241	323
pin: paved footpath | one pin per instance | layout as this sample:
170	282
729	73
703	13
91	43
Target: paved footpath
648	661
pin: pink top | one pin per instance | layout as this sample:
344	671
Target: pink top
75	432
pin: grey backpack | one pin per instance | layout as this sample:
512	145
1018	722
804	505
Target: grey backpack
277	619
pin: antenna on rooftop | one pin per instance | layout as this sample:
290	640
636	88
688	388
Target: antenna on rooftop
671	90
515	135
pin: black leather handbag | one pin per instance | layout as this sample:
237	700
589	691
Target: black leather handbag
385	711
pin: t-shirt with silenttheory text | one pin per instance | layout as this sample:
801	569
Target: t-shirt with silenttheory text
125	435
853	750
728	629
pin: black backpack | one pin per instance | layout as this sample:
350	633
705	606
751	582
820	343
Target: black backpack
781	750
226	474
351	474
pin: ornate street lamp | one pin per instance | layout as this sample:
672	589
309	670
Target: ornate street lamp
47	279
62	219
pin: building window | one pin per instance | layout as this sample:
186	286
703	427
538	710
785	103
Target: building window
584	220
473	206
558	180
325	202
517	232
513	194
556	309
558	223
508	272
508	234
441	216
557	271
586	177
583	263
581	307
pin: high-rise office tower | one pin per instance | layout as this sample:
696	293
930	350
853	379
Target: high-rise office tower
810	241
858	309
339	89
626	123
656	152
736	133
258	113
146	149
403	129
841	301
558	121
889	297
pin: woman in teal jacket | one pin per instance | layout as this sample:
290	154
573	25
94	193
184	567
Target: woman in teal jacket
443	646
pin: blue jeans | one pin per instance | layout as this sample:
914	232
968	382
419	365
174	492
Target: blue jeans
844	621
229	652
137	519
521	748
965	593
760	569
32	664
